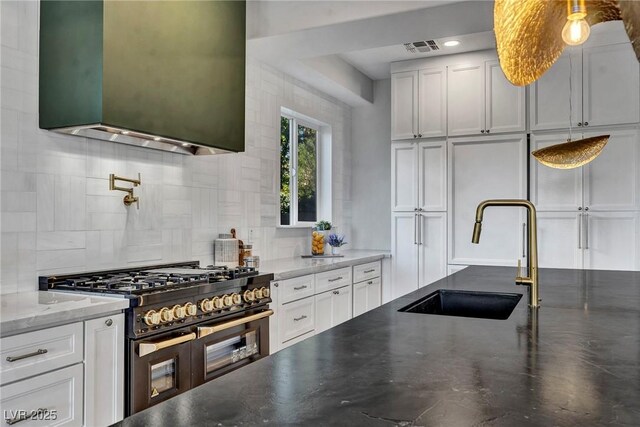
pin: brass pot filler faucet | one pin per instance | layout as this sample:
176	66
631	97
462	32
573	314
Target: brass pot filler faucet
532	280
129	198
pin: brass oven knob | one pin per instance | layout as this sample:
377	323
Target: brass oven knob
166	315
179	312
249	296
236	298
227	300
266	292
152	318
190	309
258	293
217	303
206	305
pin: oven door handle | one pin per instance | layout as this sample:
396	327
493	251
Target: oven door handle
203	331
149	347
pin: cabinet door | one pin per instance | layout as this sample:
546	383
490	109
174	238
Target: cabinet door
404	176
611	240
432	186
342	305
432	247
465	99
554	189
374	293
432	102
360	298
611	85
404	249
504	102
324	311
296	319
612	180
549	95
480	169
404	105
559	240
104	370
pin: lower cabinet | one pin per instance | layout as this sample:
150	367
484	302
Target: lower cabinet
296	318
367	295
332	308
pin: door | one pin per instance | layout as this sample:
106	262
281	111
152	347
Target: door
549	95
104	370
404	105
611	240
432	247
404	249
432	184
404	176
504	102
324	311
342	305
360	297
465	99
295	319
560	239
374	293
491	168
432	102
611	85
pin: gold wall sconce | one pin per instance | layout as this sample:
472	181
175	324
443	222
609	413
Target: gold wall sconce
129	198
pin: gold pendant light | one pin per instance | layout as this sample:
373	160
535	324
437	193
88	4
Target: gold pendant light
571	154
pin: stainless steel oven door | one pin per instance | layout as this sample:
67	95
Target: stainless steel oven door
160	369
227	345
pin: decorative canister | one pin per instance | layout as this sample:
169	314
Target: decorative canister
317	242
252	261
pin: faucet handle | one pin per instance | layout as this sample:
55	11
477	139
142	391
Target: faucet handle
519	271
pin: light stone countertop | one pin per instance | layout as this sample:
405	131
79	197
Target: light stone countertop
28	311
286	268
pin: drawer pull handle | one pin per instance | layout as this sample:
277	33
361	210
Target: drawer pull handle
336	279
24	416
370	282
203	331
108	322
149	347
24	356
299	288
336	292
297	319
370	271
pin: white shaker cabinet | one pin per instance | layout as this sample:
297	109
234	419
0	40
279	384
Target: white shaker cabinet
404	176
432	247
505	108
367	295
333	308
432	176
404	249
404	105
611	240
560	239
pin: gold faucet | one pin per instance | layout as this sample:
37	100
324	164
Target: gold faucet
129	198
532	280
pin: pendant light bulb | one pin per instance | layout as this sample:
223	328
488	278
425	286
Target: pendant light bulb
575	32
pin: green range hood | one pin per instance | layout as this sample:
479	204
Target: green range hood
168	75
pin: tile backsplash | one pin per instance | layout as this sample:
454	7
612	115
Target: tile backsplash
58	215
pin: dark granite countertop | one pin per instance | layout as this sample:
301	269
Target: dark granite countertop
577	365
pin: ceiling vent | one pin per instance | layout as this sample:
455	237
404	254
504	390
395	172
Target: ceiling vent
422	46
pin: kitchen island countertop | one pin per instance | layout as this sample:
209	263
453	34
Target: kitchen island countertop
577	362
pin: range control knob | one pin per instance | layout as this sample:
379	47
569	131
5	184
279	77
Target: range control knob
266	292
217	302
227	300
179	312
249	296
166	315
190	309
236	298
206	305
152	318
258	293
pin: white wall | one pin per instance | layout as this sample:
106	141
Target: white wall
57	214
371	146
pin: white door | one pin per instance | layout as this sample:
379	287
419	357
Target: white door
432	102
360	298
481	169
504	102
465	99
560	239
374	293
554	189
611	240
549	95
432	186
324	311
404	105
611	85
104	370
612	180
404	176
432	247
404	249
296	319
342	305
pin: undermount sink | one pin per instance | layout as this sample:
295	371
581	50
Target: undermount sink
484	305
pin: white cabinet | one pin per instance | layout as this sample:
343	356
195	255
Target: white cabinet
559	239
404	249
404	176
332	308
295	319
611	240
104	370
479	169
481	100
367	295
418	103
432	247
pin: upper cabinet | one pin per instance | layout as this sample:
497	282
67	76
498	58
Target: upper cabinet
481	100
418	104
604	89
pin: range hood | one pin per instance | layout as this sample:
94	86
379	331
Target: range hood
166	75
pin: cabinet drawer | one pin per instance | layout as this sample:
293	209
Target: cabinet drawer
366	271
296	318
297	340
333	279
54	398
296	288
36	352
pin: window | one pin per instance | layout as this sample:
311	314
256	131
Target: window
301	171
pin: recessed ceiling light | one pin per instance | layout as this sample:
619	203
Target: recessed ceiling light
125	132
157	138
451	43
184	144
